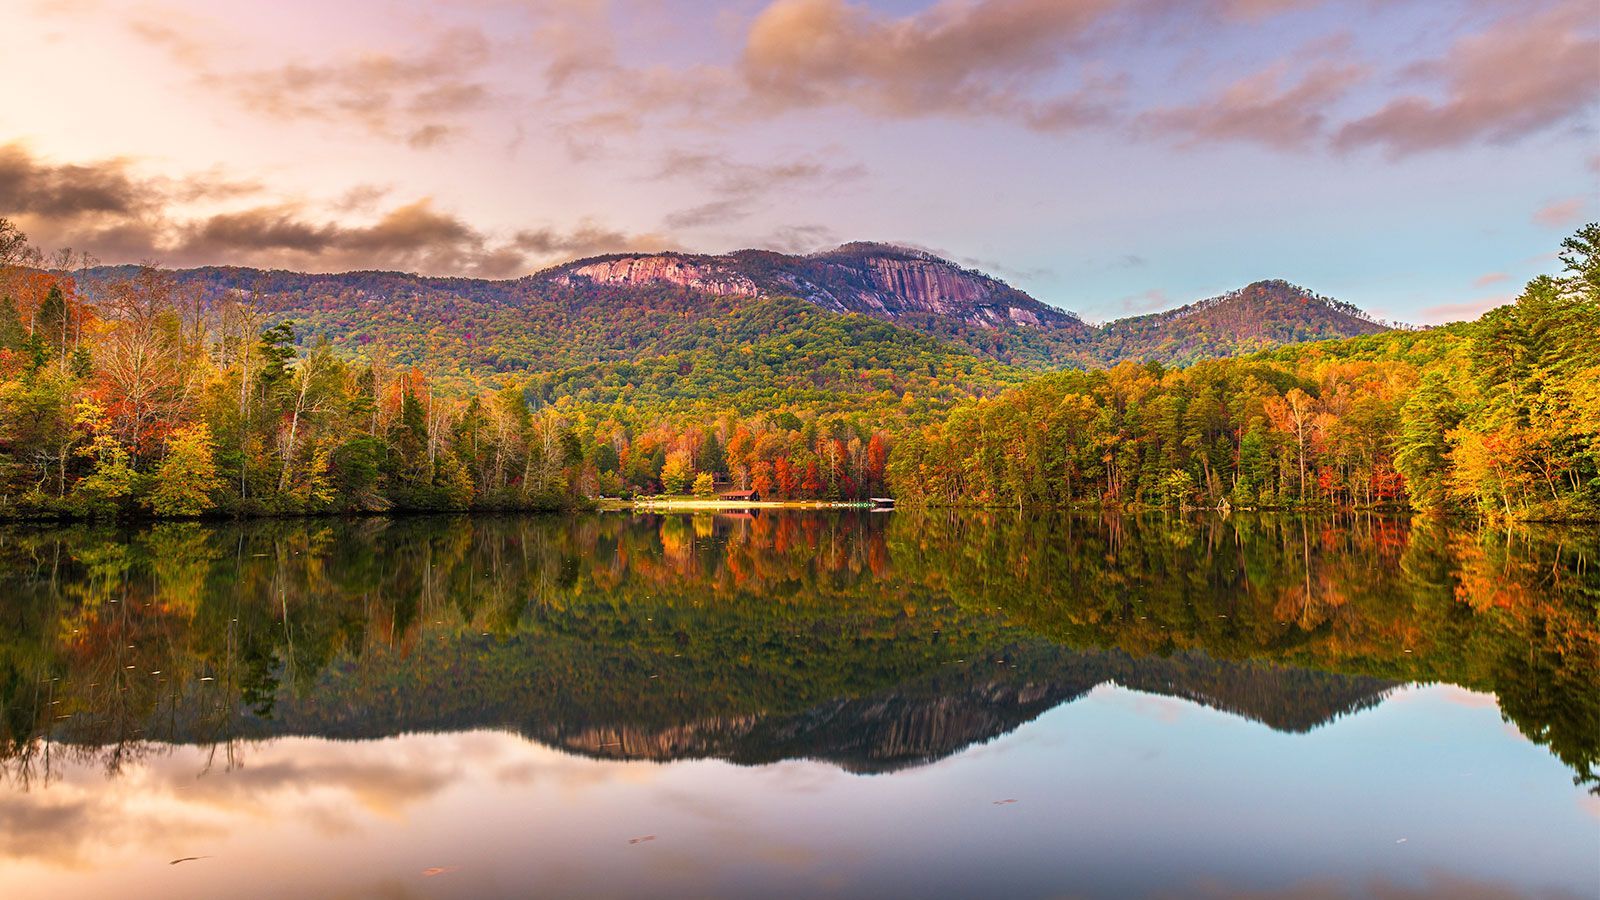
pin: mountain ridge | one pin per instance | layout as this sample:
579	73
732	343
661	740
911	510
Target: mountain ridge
625	306
883	280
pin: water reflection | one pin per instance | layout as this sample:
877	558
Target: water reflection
874	642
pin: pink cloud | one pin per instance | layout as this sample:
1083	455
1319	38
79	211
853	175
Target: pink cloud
1490	278
1149	301
1261	109
1462	312
1252	10
1521	75
1561	213
974	58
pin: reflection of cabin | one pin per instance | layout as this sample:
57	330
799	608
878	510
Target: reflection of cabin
745	496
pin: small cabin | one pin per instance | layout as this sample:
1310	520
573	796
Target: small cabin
882	502
740	496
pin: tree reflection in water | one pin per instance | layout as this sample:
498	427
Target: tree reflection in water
874	641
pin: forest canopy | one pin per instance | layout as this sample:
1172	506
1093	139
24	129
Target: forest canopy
146	394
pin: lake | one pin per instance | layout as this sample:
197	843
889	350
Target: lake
800	704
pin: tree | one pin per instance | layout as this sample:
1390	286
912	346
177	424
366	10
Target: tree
877	461
676	472
309	387
13	336
141	360
187	476
1422	448
13	244
112	476
705	485
1293	413
53	326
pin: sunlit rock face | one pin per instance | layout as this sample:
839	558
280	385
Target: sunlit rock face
878	280
637	271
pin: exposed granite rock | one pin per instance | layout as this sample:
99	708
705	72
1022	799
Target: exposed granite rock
873	279
635	271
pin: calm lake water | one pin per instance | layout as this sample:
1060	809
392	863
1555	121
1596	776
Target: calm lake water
799	704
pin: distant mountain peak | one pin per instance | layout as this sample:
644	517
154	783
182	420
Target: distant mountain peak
1259	315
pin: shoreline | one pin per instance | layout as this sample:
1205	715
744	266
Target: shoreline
688	503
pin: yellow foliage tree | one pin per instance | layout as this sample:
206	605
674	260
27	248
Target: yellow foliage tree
188	475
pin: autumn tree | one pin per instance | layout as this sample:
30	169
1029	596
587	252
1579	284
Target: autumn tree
187	477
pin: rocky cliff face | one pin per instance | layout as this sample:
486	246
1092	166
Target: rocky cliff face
874	279
695	273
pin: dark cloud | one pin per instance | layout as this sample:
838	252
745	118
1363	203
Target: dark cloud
415	237
26	187
1521	75
109	211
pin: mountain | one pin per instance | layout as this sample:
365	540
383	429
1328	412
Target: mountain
860	318
1255	317
910	719
878	280
910	288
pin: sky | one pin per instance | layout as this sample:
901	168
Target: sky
1419	158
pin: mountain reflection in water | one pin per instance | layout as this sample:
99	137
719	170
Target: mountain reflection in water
874	642
863	642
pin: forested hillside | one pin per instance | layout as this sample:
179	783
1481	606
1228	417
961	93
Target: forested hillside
1262	315
1501	416
138	391
623	308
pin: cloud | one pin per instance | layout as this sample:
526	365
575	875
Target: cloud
1259	108
415	237
712	213
587	239
1148	301
989	58
1462	312
1432	886
413	95
1255	10
28	186
1520	76
1489	278
800	239
739	188
107	209
1561	213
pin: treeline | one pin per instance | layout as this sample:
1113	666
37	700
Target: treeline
780	457
147	394
1499	416
143	395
